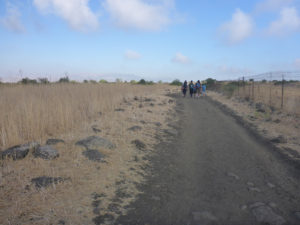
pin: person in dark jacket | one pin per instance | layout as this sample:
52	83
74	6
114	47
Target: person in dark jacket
184	88
191	87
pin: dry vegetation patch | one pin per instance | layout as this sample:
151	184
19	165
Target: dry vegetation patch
78	190
282	127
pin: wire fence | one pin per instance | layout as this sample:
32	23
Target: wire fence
278	90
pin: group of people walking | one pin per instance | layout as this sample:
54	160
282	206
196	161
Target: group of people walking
196	89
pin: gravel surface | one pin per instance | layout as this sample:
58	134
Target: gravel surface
214	171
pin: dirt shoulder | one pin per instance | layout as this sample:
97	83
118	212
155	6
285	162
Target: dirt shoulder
279	129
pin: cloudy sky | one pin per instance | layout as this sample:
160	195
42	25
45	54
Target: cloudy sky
152	39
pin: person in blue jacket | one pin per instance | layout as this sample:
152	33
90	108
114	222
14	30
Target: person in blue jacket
204	89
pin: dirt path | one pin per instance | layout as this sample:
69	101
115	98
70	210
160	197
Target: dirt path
215	172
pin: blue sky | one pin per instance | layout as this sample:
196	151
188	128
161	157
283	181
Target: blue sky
151	39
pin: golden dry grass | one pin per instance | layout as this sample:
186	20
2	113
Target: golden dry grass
36	112
76	108
271	95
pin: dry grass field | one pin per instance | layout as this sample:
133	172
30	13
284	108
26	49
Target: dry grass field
270	94
96	191
38	112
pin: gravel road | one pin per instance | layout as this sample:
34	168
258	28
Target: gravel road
214	171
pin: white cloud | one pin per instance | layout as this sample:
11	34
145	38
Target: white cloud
288	22
239	28
297	63
180	58
272	5
76	12
129	54
12	19
140	14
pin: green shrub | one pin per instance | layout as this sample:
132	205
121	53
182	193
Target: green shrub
64	80
229	88
93	82
44	80
176	82
26	80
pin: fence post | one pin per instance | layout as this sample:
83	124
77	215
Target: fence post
244	87
282	91
239	87
252	89
270	103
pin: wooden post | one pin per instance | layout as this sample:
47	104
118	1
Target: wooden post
244	87
282	91
271	82
239	87
253	90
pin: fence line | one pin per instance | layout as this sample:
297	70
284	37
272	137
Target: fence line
279	90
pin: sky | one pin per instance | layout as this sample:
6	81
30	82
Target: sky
150	39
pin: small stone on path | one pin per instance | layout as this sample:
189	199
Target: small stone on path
254	189
96	129
205	217
45	181
244	207
119	110
135	128
46	152
272	204
270	185
54	141
19	151
157	124
250	184
93	155
233	175
265	215
94	142
279	139
139	144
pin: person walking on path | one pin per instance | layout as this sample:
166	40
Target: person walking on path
204	89
198	89
191	87
184	88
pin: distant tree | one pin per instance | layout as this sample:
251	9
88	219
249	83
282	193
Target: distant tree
93	81
142	81
44	80
64	80
210	82
26	80
251	80
176	82
102	81
159	82
264	81
133	81
85	81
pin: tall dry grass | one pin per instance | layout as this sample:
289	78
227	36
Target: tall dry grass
271	95
36	112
